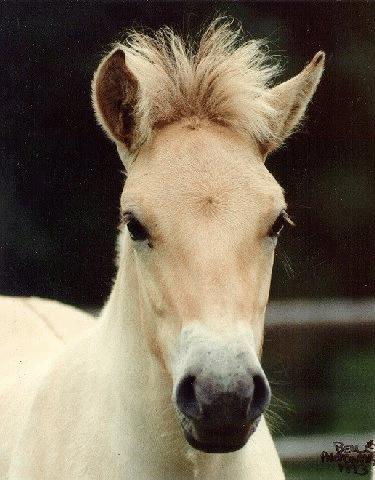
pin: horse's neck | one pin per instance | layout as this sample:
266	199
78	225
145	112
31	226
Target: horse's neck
142	387
121	328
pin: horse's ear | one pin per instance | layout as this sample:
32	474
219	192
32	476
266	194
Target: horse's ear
290	99
115	91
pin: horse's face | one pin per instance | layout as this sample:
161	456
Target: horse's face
203	214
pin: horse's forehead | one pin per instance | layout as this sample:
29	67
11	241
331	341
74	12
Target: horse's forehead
204	167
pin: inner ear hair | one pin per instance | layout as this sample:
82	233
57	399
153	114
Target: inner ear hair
115	97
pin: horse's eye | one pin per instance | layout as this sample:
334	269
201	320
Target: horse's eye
282	220
137	231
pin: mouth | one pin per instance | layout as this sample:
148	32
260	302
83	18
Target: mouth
223	440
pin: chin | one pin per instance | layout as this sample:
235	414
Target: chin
224	441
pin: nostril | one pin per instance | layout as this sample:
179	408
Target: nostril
261	396
198	400
186	397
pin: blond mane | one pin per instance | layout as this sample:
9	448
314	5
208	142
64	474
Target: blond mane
223	80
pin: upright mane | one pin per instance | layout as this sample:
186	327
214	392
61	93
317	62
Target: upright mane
223	80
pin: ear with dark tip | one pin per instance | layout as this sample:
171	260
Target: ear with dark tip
290	99
115	91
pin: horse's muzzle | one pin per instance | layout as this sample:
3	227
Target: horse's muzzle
219	414
227	439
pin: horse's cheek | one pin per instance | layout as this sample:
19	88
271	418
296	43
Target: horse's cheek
154	319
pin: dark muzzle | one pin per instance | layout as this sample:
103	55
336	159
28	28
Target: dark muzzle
221	412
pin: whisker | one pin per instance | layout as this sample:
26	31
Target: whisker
286	262
275	419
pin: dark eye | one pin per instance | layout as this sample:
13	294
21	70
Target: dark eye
137	231
282	220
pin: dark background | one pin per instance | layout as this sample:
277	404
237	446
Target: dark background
60	178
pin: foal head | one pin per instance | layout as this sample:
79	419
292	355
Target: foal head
202	212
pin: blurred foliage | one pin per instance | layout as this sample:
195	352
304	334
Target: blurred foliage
60	178
322	378
353	375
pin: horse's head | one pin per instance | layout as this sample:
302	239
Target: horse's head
203	214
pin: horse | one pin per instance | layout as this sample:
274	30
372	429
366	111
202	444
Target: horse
168	383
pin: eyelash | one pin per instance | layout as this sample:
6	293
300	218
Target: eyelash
282	220
137	232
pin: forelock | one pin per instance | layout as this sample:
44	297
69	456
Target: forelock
223	80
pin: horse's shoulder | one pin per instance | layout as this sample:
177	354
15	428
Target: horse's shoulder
32	329
47	368
62	321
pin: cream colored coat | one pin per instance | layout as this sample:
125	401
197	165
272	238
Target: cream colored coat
193	134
